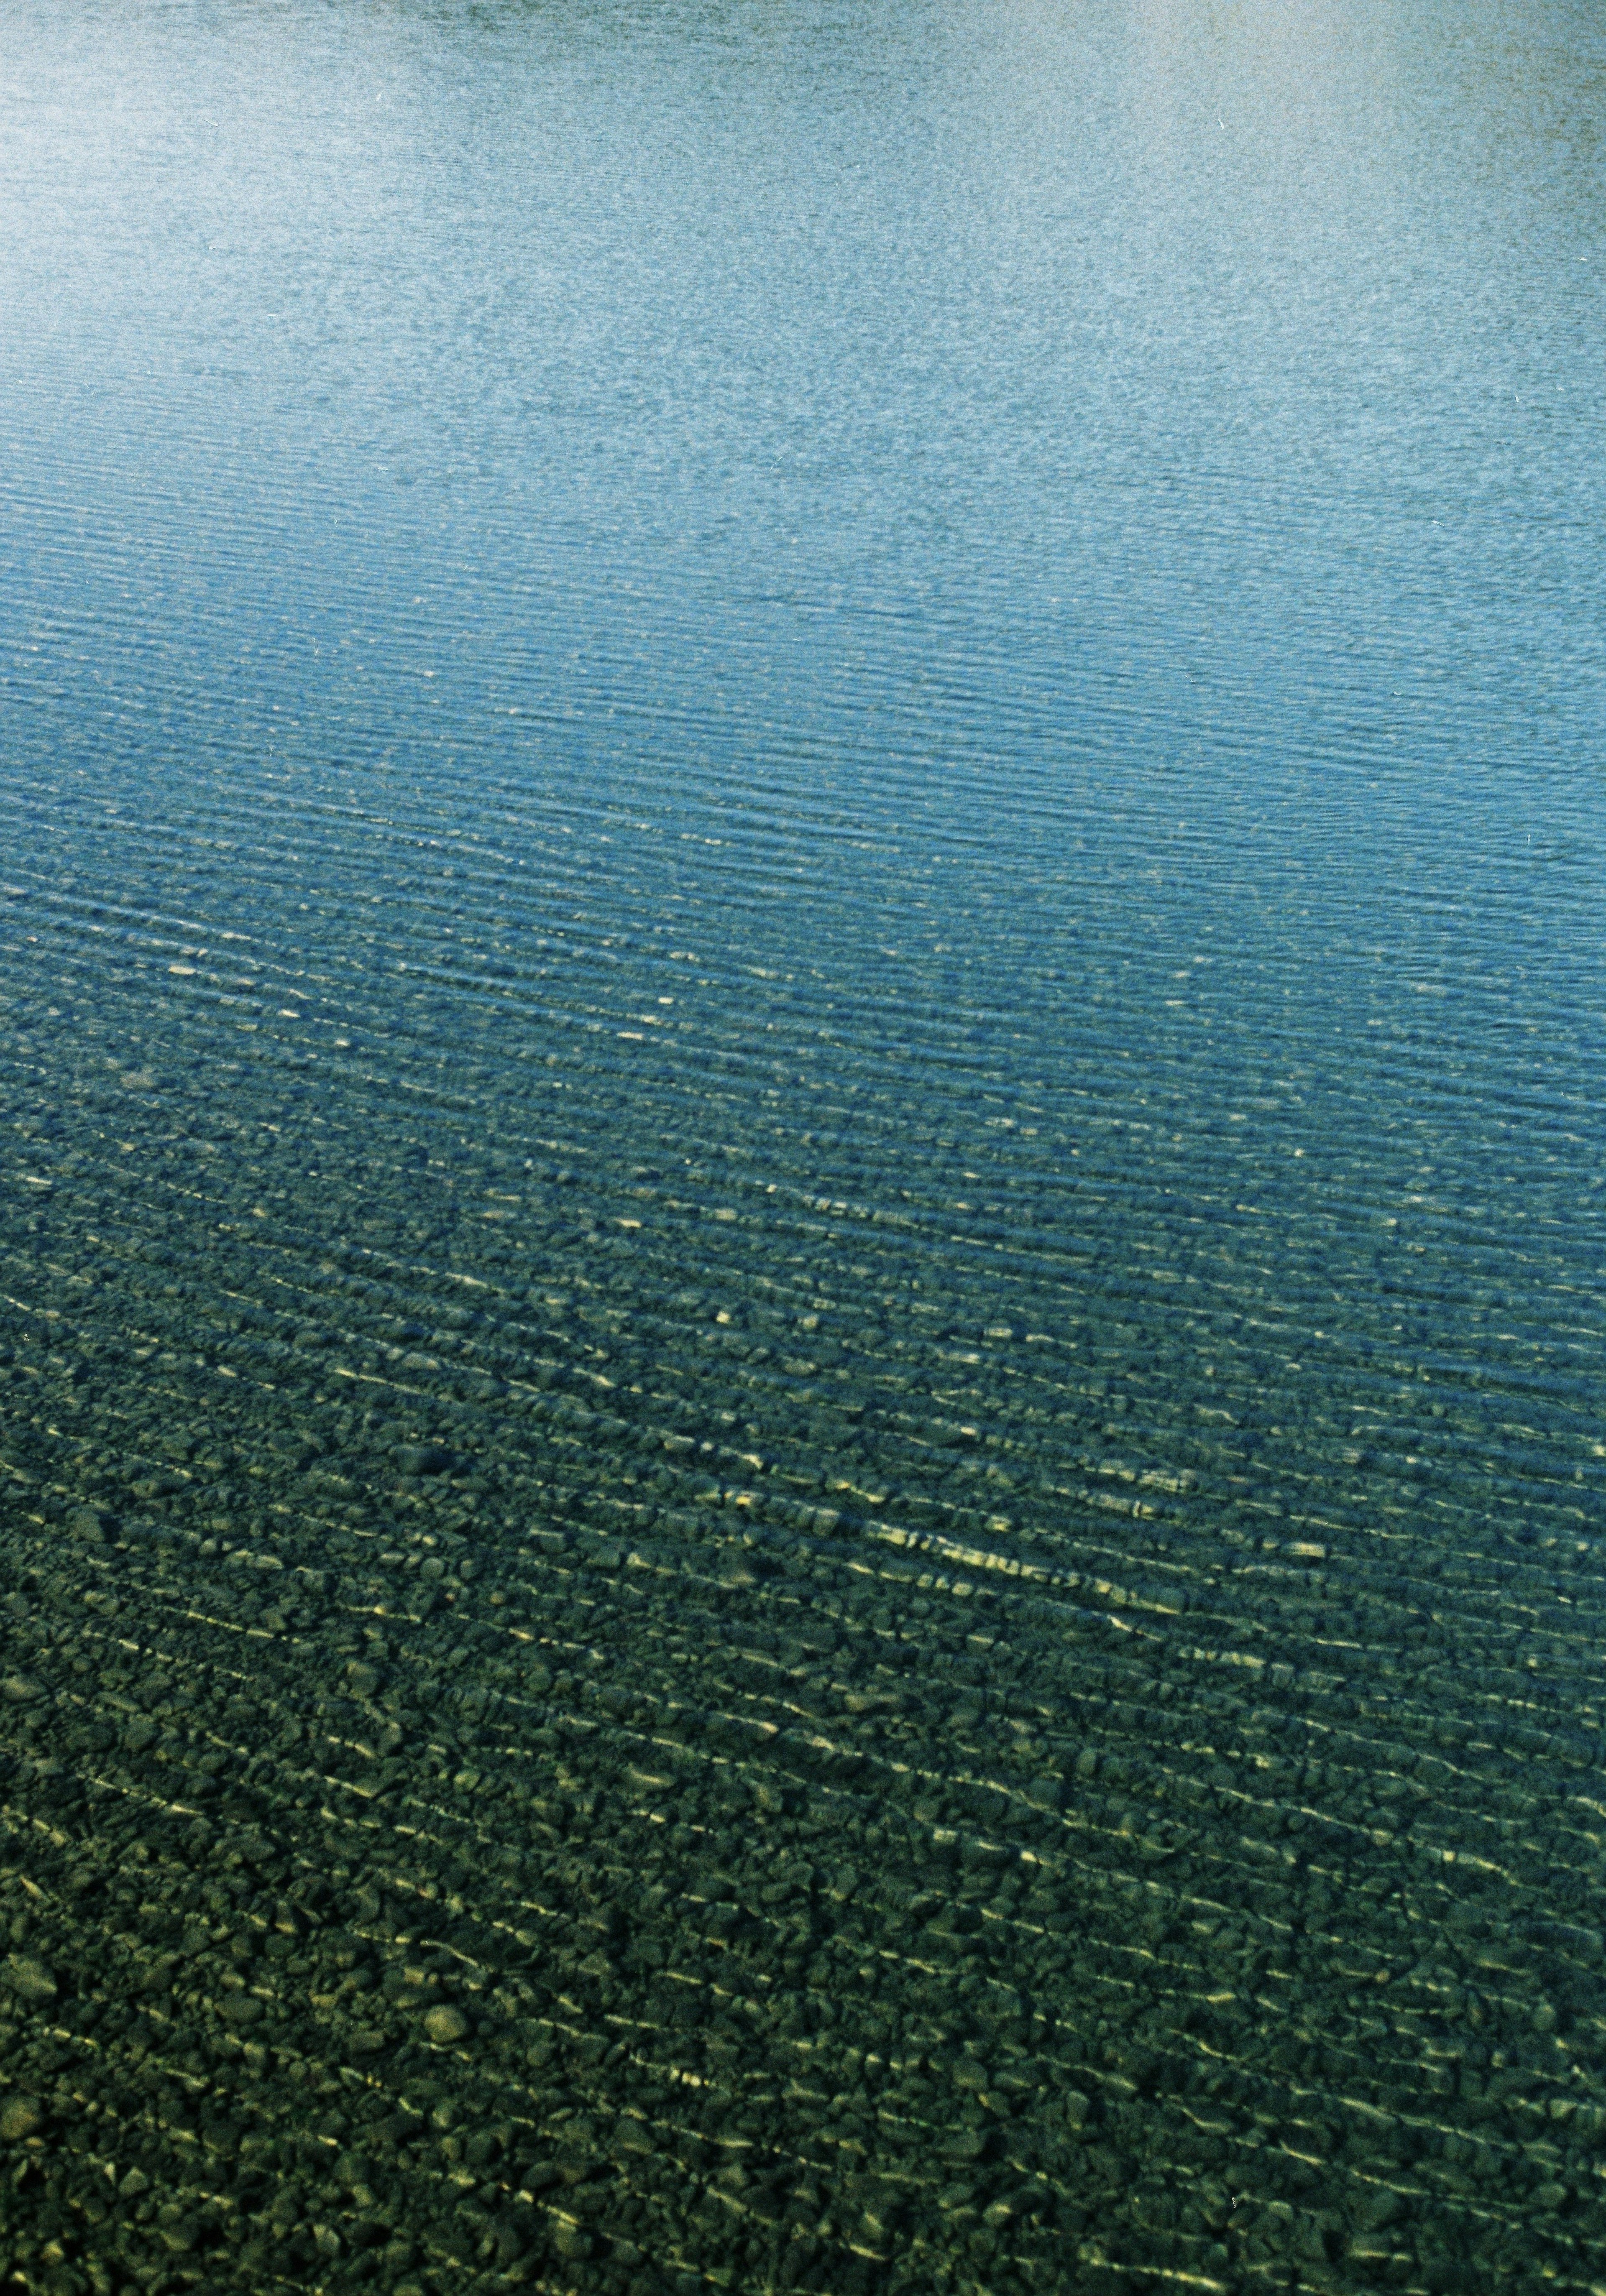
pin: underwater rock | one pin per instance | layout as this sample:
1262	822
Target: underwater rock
28	1978
20	2116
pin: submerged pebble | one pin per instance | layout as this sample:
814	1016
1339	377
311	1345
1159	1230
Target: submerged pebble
20	2116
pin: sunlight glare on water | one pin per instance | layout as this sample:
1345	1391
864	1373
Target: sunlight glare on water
801	1438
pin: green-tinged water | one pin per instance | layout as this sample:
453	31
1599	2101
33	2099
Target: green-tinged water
801	1367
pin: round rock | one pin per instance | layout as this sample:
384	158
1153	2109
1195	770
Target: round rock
20	2116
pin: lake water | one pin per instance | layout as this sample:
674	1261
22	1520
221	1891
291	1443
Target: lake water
801	1379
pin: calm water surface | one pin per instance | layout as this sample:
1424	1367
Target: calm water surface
801	1369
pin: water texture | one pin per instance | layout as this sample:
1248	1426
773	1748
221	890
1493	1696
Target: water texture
801	1358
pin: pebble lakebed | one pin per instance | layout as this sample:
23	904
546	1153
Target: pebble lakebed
615	1724
800	1295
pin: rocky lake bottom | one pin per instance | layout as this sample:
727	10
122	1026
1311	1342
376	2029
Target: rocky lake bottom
577	1724
802	1303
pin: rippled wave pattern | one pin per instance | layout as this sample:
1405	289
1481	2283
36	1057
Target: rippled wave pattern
801	1367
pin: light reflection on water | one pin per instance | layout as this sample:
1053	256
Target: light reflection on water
802	1226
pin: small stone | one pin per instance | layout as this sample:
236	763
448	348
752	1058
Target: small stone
87	1523
423	1459
445	2024
19	1690
968	2144
28	1977
20	2116
362	1681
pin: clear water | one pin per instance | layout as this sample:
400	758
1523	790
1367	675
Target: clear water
802	1386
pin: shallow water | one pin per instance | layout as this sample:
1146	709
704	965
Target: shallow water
801	1198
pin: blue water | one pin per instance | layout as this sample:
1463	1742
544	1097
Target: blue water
802	1361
